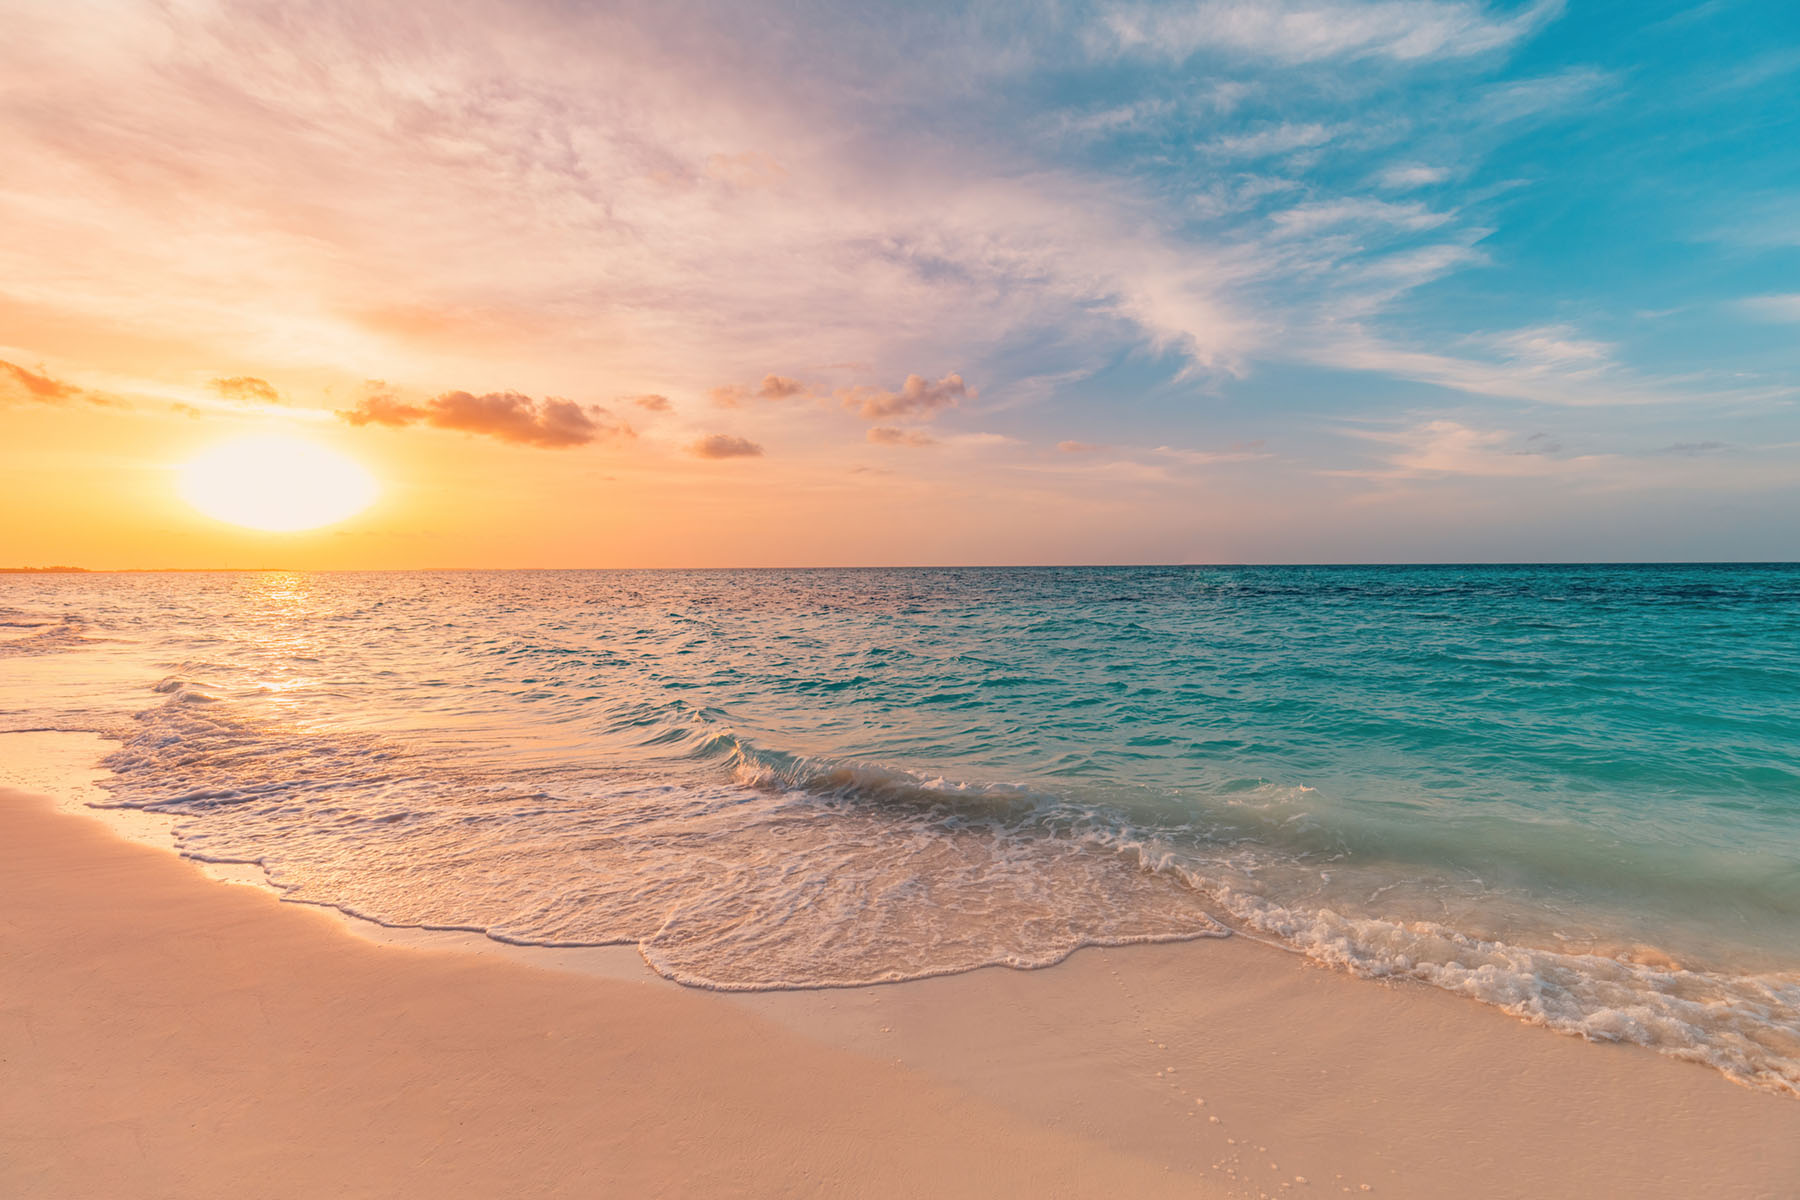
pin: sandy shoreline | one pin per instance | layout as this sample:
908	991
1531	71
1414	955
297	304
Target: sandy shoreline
163	1034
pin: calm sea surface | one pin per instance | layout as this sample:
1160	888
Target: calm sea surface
1573	792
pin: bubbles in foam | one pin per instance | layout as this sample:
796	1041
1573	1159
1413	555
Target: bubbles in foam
581	758
806	876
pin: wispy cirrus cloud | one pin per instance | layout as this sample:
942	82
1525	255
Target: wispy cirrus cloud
1781	308
1298	31
1271	140
1174	225
1312	218
1407	176
1446	447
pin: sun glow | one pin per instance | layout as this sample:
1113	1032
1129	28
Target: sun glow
277	483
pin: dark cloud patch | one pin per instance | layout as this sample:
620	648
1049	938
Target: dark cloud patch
515	418
505	416
18	383
917	398
651	402
887	435
1694	449
246	389
725	445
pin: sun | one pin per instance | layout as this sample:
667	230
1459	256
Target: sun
277	483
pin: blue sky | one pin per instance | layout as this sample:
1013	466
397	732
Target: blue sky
1289	280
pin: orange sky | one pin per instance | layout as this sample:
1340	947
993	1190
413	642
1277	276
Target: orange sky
595	287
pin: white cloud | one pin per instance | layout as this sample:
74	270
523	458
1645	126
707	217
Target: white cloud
1555	95
1441	446
1312	218
1270	140
1299	31
1780	308
1406	176
1552	347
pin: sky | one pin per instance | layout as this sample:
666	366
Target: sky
741	284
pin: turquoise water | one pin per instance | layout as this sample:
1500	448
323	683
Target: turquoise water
1573	792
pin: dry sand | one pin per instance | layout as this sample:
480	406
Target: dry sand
166	1034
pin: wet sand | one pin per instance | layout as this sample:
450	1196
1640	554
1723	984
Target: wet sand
164	1033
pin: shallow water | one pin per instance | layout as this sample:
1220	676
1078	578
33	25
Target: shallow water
1570	791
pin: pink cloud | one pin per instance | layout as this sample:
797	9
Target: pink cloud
772	387
918	397
725	445
506	416
887	435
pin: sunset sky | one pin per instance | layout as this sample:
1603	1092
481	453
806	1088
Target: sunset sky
673	284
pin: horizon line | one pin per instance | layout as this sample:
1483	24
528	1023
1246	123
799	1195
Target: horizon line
1051	566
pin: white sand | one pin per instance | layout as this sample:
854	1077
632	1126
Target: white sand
164	1034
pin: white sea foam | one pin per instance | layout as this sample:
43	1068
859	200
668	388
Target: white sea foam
578	760
729	886
1745	1025
802	873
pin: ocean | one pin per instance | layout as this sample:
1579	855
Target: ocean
1572	792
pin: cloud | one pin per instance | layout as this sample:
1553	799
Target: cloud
506	416
751	169
1779	308
383	408
1299	31
1273	139
887	435
982	441
651	402
1549	364
1406	176
725	445
1693	449
918	397
778	387
1077	447
772	387
1441	447
1239	452
1555	95
1311	218
1552	347
32	385
246	389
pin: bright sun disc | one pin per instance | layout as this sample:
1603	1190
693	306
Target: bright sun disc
276	483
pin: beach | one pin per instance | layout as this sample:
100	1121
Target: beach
169	1033
1124	599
